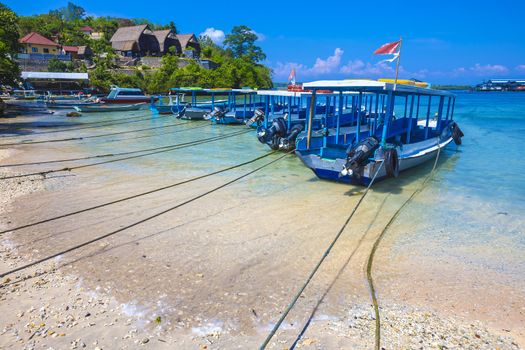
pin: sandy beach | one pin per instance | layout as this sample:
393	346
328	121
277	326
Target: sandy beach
218	272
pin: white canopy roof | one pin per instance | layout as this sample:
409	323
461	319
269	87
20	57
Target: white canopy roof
287	93
55	75
370	86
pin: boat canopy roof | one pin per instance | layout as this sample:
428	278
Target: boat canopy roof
216	90
363	85
55	75
126	89
245	90
287	93
186	89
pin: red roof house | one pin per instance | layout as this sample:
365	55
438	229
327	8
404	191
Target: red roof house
87	30
36	43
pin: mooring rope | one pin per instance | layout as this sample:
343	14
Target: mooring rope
136	223
135	195
157	150
91	136
103	155
318	265
376	245
92	125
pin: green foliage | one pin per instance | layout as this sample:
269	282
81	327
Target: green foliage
238	61
72	12
241	42
56	65
9	70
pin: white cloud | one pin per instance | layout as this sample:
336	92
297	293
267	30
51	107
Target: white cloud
216	35
360	68
328	65
520	68
489	69
260	36
282	70
321	66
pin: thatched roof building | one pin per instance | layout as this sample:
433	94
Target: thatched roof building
167	38
135	41
189	42
141	41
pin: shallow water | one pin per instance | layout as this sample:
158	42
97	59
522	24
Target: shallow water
469	217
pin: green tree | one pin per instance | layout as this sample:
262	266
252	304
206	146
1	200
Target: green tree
9	35
56	65
72	12
241	41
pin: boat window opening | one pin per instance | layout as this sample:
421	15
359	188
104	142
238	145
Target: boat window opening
427	120
131	93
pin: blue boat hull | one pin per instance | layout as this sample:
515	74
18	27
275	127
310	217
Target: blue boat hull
410	156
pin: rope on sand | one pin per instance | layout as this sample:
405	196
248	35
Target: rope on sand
136	223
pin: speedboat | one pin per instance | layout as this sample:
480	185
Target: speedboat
119	95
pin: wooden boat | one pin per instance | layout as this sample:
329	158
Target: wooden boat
283	115
102	107
70	104
240	106
399	132
194	109
119	95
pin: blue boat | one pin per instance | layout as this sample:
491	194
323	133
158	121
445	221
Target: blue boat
195	109
406	126
240	106
283	116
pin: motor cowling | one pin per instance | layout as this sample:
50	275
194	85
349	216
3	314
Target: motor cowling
277	130
258	117
216	114
357	156
288	143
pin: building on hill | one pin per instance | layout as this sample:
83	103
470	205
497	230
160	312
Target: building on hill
190	45
167	38
87	30
135	41
34	43
77	52
71	50
84	52
139	41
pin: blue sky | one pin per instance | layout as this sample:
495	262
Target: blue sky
443	41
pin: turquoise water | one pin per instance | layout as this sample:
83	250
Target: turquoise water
473	209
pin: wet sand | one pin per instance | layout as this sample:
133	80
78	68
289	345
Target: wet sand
217	273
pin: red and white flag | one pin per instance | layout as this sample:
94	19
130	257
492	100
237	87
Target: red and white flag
388	48
291	77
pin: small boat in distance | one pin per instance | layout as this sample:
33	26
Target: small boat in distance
102	107
119	95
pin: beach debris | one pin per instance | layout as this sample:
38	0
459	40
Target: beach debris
158	320
73	114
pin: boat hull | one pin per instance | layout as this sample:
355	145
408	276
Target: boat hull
194	114
109	108
412	156
126	101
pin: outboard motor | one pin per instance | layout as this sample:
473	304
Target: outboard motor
273	133
258	117
288	143
216	114
183	111
358	155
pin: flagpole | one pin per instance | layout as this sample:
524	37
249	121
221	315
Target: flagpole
398	60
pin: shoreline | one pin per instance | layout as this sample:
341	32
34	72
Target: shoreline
61	310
